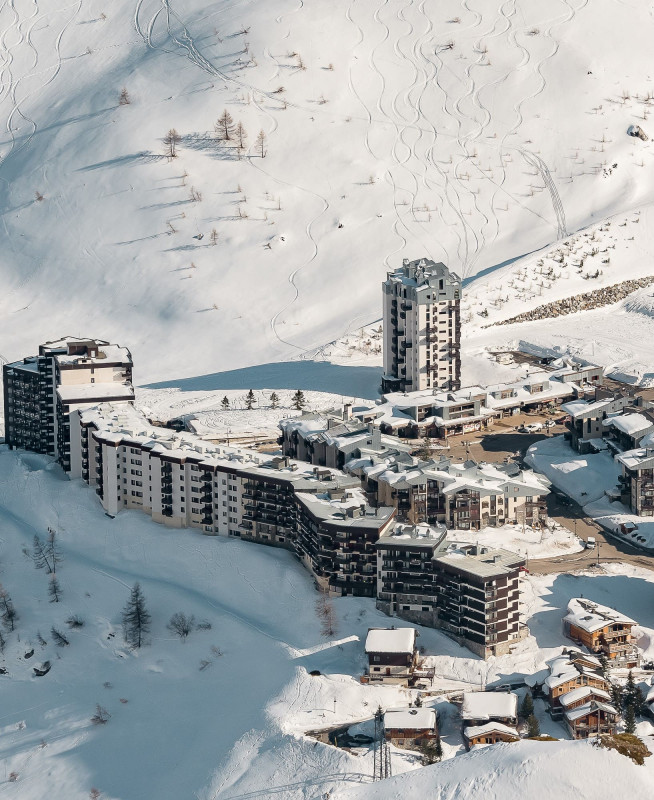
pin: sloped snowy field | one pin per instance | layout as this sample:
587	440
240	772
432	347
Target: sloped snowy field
471	132
234	726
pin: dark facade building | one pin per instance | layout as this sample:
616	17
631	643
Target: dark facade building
468	591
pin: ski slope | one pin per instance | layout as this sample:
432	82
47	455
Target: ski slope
403	129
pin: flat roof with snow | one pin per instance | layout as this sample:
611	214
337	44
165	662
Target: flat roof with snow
391	640
410	718
487	705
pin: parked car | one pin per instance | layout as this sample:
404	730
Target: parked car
591	544
533	427
550	423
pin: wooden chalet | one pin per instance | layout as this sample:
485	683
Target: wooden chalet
565	676
490	733
410	727
602	630
591	719
583	695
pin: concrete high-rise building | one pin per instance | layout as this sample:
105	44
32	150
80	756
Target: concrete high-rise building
422	327
67	374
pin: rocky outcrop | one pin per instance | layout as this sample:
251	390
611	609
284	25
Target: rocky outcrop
580	302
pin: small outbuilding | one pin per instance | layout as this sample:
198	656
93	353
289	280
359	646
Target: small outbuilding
392	655
410	727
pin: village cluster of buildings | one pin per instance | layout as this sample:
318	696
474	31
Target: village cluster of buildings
574	685
347	496
357	506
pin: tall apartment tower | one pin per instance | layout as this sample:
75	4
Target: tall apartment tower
41	391
422	328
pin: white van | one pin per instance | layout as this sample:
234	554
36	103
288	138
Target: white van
591	543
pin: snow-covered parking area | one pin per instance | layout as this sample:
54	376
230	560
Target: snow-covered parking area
586	478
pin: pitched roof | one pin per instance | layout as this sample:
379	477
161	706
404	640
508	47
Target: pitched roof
592	617
588	708
582	691
486	705
391	640
489	727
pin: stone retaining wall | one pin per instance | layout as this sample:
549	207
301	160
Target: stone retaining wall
580	302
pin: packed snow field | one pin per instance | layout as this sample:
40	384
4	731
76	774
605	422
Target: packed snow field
391	130
587	478
434	128
221	714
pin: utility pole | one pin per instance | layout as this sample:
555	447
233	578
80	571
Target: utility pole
381	753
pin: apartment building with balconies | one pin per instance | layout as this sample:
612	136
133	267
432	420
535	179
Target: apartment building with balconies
466	496
422	327
41	391
468	591
636	481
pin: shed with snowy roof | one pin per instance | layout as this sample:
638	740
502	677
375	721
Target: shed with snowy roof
410	727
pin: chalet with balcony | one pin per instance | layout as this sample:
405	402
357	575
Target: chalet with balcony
587	417
409	728
392	655
591	719
602	630
568	673
489	717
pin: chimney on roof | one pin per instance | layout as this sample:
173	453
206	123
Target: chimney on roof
347	411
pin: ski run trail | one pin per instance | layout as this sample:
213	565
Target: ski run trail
392	129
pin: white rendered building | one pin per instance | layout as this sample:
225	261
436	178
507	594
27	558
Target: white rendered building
41	391
422	328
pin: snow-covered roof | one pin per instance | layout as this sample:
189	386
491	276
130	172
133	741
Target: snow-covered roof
391	640
588	708
480	730
640	457
562	677
592	617
488	705
629	423
580	692
410	718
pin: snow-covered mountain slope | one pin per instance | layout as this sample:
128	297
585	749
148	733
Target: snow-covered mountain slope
537	770
472	132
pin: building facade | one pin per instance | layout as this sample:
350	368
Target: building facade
41	391
319	514
422	327
636	483
470	592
